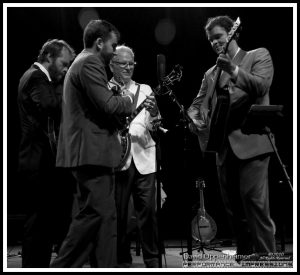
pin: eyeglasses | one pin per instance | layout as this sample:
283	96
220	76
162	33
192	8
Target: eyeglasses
125	64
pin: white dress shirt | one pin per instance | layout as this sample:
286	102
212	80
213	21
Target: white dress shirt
143	150
43	69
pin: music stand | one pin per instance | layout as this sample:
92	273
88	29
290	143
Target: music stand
258	121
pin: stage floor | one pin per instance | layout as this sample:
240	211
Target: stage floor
216	255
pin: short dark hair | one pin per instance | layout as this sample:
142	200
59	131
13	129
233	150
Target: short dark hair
98	28
223	21
54	48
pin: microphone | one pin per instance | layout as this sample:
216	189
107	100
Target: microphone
156	123
164	130
161	67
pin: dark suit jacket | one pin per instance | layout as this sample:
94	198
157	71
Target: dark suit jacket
88	133
36	101
251	87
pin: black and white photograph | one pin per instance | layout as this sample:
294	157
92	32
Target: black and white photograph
149	137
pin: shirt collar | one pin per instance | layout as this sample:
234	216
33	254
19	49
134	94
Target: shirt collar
43	69
114	82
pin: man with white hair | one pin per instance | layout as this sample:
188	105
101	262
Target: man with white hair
137	176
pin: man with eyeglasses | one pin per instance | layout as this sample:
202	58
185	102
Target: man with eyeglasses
137	177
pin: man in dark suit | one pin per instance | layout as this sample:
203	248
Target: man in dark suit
242	160
38	101
89	145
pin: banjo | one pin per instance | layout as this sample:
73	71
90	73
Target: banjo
123	133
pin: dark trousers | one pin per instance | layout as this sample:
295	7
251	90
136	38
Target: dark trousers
143	190
48	202
245	192
93	231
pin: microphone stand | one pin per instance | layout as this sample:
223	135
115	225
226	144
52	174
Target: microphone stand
157	126
186	120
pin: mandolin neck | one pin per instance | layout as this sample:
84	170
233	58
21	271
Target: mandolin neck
202	207
130	118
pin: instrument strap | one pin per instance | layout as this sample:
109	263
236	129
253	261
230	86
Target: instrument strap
239	57
136	96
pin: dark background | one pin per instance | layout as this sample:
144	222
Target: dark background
28	28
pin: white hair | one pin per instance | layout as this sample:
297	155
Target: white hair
125	48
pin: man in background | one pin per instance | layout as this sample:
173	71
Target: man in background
48	203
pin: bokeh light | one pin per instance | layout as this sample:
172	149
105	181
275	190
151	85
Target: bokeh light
86	15
165	31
